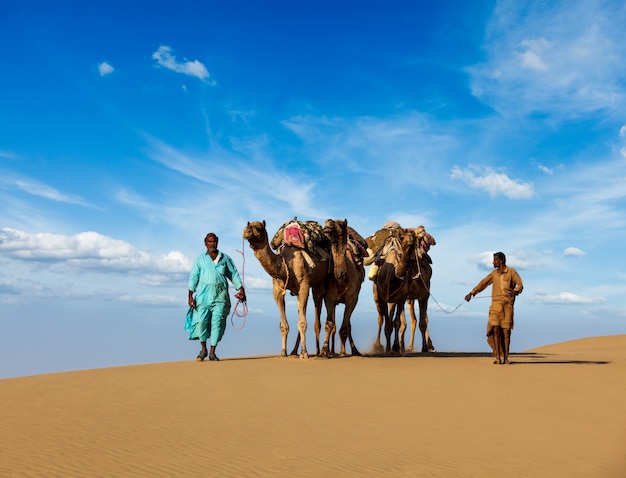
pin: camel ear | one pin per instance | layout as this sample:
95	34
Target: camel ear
263	222
345	221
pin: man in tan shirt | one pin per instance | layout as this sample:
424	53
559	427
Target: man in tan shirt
506	284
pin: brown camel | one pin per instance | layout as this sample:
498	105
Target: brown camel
391	287
419	288
290	270
344	285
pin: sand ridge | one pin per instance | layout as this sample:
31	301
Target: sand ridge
558	411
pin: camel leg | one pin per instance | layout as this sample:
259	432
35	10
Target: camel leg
388	324
401	324
329	339
427	345
378	348
345	333
333	333
303	298
411	305
329	328
318	297
394	315
279	298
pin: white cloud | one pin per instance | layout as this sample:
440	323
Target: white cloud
573	252
565	298
622	131
622	152
546	169
105	68
531	58
150	299
88	250
496	184
166	59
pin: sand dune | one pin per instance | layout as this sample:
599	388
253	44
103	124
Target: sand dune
558	411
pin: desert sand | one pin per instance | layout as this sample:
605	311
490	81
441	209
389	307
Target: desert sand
557	411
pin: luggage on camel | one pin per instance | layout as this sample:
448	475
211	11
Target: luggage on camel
388	237
376	241
306	235
357	244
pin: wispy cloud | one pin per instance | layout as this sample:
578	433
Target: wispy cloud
496	184
545	169
557	58
39	189
164	57
105	69
7	155
266	186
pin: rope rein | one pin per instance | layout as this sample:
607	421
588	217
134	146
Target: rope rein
244	306
421	277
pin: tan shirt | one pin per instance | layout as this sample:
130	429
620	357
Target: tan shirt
504	284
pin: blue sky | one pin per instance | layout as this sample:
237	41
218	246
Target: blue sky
128	130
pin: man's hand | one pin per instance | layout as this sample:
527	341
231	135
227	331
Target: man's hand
468	297
241	295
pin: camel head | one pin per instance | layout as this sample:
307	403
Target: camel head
407	241
256	234
336	230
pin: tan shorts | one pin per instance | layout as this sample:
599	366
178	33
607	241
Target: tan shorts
501	314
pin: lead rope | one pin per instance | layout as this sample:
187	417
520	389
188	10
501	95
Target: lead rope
244	305
419	275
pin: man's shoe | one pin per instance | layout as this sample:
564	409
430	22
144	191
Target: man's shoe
213	357
201	356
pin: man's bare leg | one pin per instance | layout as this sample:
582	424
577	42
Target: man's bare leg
506	344
497	340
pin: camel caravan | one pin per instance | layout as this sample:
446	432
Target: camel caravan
329	261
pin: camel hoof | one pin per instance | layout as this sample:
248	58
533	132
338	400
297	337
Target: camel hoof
356	353
410	349
304	354
283	354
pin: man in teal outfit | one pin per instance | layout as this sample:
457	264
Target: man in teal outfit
210	306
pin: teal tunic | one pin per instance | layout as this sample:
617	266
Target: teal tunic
208	280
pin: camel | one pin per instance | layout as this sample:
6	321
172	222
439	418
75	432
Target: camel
290	270
419	288
391	287
344	285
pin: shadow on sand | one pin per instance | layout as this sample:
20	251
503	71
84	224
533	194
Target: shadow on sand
522	358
